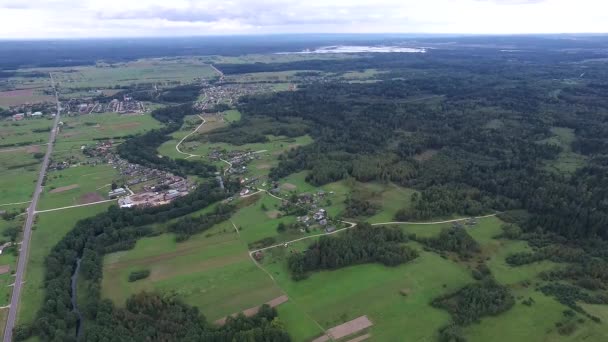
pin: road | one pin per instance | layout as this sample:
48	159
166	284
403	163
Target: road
190	155
27	228
352	225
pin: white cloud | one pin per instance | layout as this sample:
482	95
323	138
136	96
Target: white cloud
103	18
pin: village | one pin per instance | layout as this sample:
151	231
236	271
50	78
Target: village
87	106
142	186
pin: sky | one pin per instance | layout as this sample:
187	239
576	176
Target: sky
33	19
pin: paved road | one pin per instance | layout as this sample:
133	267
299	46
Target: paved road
27	229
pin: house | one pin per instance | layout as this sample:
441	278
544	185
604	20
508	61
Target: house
18	117
330	229
126	202
323	222
171	194
117	193
37	114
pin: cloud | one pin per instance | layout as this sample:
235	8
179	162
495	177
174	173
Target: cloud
101	18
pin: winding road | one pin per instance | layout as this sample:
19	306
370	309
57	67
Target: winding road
29	222
190	155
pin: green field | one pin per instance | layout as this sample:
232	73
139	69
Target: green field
82	129
19	170
568	161
77	185
48	230
211	271
124	74
25	132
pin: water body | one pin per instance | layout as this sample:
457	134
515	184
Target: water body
360	49
75	301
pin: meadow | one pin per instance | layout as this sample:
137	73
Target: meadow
212	271
25	132
19	169
180	70
77	185
90	127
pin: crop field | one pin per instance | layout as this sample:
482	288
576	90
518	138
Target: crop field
87	128
48	230
21	96
207	271
25	132
124	74
77	185
19	169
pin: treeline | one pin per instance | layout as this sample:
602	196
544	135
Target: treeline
472	302
151	317
143	149
255	130
453	239
114	230
362	244
185	227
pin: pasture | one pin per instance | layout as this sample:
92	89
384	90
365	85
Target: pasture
161	71
19	169
212	271
77	185
90	127
25	132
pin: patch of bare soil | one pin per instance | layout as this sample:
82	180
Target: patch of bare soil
263	166
5	269
17	92
345	329
64	188
426	155
33	149
90	197
288	186
252	311
273	214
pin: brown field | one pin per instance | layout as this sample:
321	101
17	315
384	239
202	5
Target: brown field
288	186
5	269
273	214
90	197
346	329
64	188
252	311
361	338
426	155
17	92
263	166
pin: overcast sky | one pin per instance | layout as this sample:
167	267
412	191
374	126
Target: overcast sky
130	18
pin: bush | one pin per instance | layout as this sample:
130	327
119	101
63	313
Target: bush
138	275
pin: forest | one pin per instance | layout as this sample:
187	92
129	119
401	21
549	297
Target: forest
363	244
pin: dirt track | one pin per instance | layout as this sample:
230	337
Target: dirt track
252	311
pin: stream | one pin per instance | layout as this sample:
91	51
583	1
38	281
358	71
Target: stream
75	300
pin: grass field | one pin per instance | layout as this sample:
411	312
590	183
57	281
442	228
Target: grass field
142	71
48	230
207	271
19	133
333	297
568	160
18	173
85	128
77	185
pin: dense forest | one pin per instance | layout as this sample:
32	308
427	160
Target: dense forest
363	244
151	317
